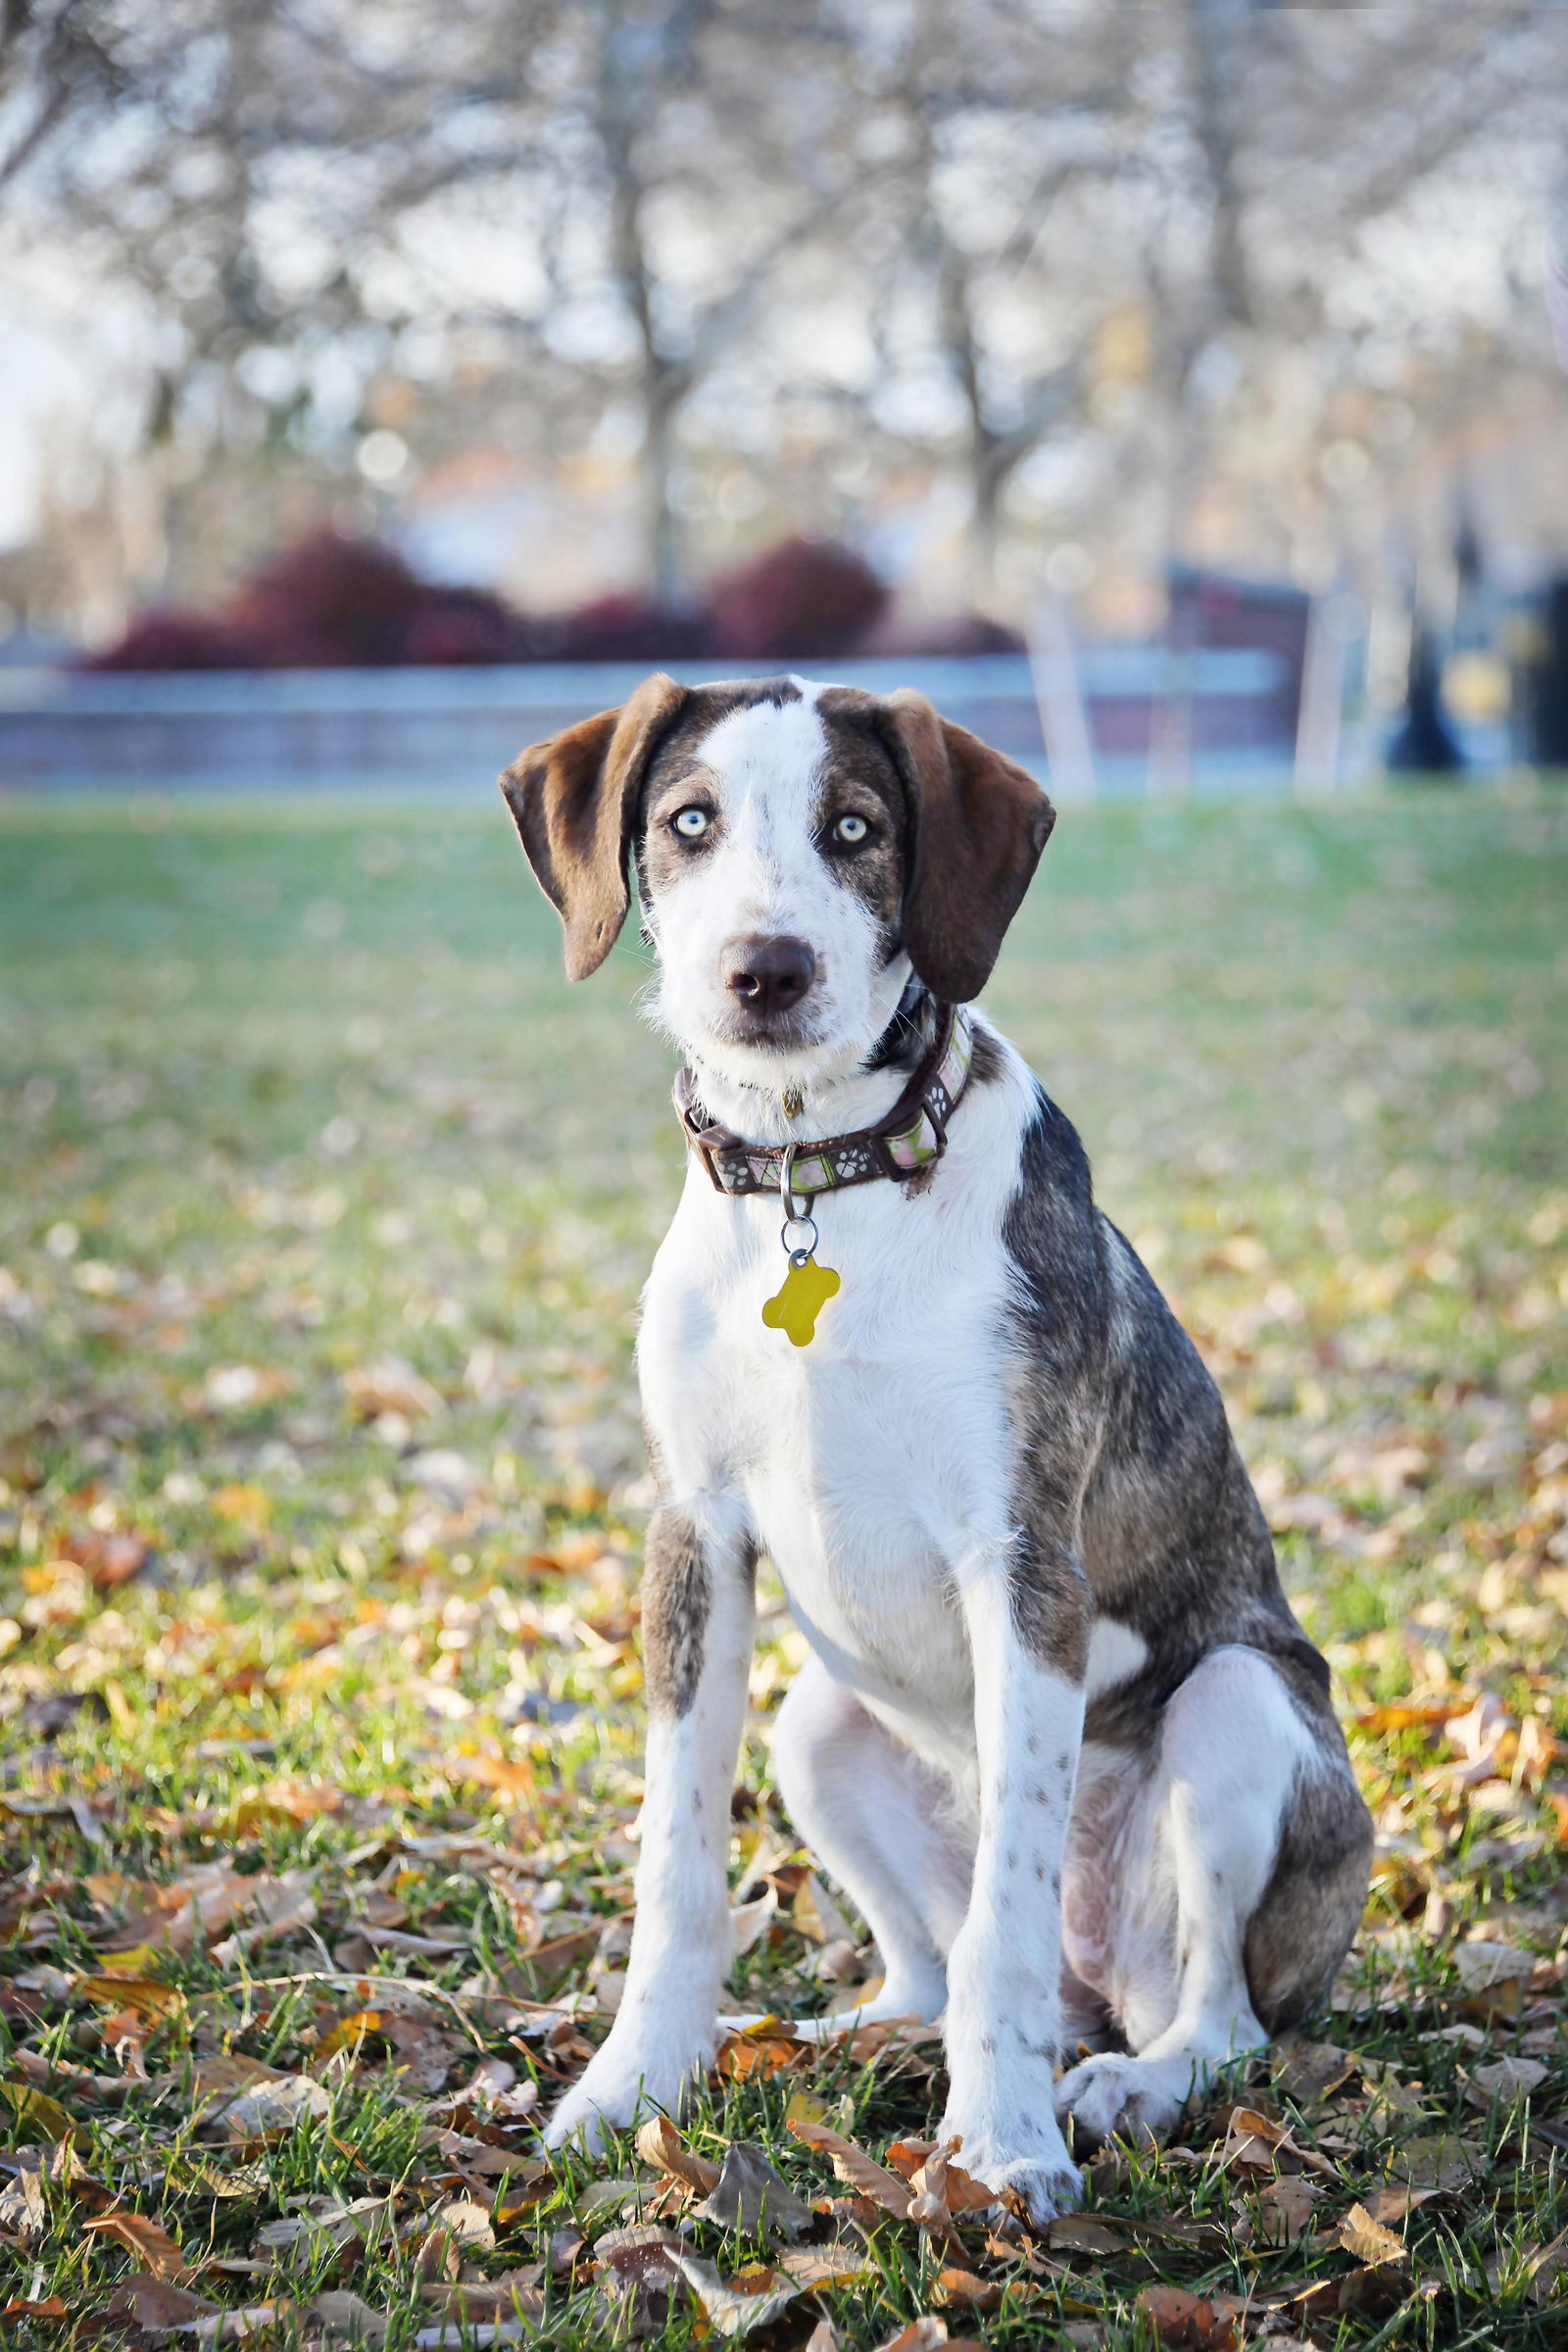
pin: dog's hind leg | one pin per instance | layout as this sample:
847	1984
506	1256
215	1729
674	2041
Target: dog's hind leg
877	1820
1252	1874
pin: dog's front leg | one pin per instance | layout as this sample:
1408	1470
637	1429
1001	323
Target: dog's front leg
698	1625
1026	1611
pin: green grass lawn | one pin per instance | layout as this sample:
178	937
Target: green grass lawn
323	1209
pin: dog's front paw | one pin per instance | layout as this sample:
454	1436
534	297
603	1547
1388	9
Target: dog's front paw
1116	2096
619	2084
1025	2161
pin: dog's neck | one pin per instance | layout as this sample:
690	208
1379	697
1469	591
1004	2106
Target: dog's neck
767	1114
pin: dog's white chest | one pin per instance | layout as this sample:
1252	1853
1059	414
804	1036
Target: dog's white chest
870	1459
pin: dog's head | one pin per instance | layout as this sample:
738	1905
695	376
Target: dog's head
798	848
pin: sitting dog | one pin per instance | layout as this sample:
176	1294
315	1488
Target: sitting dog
1059	1736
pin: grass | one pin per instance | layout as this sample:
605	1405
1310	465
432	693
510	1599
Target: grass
324	1210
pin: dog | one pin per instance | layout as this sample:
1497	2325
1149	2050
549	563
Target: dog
1058	1736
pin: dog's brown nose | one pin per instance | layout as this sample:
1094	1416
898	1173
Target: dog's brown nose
768	976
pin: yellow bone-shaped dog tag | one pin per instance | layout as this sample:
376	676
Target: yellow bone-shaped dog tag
805	1291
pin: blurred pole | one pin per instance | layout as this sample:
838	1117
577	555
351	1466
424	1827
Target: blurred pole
1333	627
1171	747
1058	697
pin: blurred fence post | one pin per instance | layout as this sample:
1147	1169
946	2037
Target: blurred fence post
1334	625
1058	692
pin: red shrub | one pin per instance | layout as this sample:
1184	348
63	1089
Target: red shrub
466	625
175	640
803	598
329	602
942	633
623	627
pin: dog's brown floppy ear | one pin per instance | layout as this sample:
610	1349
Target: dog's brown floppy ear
574	802
979	824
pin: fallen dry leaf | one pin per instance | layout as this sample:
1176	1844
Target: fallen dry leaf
1286	2206
855	2168
1505	2079
660	2145
274	2106
345	2317
390	1386
1368	2240
147	2239
1186	2322
1548	2269
749	1922
756	2054
153	2303
923	2334
735	2307
842	2264
1306	2071
955	2285
748	2196
1439	2160
1391	2205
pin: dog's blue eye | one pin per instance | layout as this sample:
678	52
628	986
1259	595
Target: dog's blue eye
691	823
851	829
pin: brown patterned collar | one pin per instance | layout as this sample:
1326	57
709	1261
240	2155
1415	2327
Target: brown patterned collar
912	1136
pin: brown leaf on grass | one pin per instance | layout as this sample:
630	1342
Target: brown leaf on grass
278	1805
36	2115
272	2106
247	1508
511	2294
153	2303
1391	2205
325	2224
109	1560
749	1922
1547	2269
1537	1750
225	2076
1186	2322
813	2268
955	2285
145	1997
748	2196
1258	2142
1306	2071
923	2334
855	2168
23	2209
1481	1967
509	1775
147	2239
756	2054
177	1916
50	2308
1095	2233
660	2145
1408	1715
348	2034
1505	2080
1439	2160
347	2318
736	2307
521	2191
905	2156
639	2274
938	2177
1287	2209
389	1386
1368	2240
